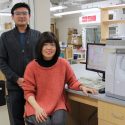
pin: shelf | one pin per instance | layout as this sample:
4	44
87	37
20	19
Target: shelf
114	7
105	22
113	21
75	44
103	40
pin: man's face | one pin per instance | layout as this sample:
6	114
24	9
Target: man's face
21	16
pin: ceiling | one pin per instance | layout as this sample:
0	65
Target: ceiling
78	2
70	4
5	4
81	4
73	2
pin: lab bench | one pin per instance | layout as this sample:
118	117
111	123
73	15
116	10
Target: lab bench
94	109
110	111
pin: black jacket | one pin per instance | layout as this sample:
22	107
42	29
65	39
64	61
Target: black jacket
13	59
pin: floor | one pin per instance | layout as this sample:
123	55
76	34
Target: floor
4	119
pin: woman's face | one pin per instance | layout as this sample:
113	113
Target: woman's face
48	51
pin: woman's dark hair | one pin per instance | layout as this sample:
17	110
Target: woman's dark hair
47	37
19	5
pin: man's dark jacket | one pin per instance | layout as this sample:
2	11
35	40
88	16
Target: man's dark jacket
13	59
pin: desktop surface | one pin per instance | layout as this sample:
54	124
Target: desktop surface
97	84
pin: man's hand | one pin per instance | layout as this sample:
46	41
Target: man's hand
20	81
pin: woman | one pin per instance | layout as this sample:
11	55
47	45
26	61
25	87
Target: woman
44	85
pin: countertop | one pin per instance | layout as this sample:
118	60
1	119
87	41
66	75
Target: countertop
80	71
101	97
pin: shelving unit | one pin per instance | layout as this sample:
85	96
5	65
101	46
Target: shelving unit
78	56
105	22
75	40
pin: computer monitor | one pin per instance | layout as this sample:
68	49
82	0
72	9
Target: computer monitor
95	60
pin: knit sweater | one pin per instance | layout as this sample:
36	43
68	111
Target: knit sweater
47	85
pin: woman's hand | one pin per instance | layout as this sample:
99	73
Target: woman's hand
39	111
87	90
40	114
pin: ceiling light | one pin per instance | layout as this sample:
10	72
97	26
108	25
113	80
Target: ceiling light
5	14
68	12
77	11
57	8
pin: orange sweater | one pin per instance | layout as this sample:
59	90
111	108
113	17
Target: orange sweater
47	85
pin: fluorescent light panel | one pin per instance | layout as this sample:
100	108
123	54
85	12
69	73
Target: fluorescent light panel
77	11
57	8
5	14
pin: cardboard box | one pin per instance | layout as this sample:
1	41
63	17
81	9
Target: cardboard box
69	39
72	31
8	25
76	39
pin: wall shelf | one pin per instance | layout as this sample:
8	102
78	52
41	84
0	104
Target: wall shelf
114	7
108	22
105	22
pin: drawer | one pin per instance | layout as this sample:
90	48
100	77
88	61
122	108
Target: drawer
103	122
111	112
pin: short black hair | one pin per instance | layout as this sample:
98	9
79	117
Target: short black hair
47	37
19	5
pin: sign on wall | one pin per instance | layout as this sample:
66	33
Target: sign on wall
90	18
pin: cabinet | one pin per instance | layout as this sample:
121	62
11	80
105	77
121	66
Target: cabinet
105	22
82	114
110	114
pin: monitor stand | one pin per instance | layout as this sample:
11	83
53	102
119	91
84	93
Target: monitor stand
103	76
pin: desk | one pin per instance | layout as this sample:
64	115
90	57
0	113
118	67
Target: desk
110	111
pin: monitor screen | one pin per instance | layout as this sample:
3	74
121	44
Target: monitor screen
95	60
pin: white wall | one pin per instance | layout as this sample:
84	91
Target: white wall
68	21
42	15
121	27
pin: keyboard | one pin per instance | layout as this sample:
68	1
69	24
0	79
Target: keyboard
96	84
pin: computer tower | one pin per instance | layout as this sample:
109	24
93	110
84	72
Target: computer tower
2	93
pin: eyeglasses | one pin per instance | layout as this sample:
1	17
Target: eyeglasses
21	13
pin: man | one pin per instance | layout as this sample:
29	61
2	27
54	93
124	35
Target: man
16	51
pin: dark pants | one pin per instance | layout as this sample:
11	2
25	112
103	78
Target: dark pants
15	104
59	117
